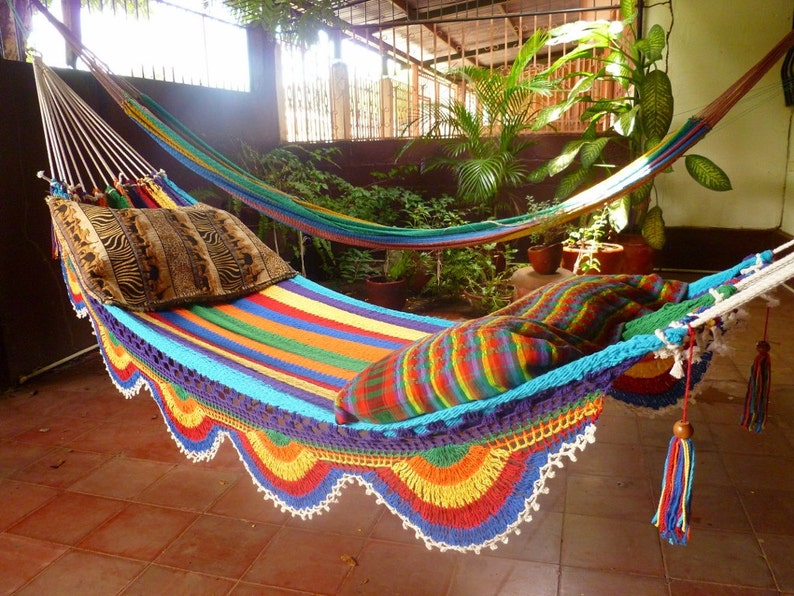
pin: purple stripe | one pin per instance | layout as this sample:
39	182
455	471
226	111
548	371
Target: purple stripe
426	324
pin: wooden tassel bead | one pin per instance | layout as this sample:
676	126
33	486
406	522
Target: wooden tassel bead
683	429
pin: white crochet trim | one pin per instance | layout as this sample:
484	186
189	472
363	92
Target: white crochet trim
549	470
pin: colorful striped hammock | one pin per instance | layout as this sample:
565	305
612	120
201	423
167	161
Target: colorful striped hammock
262	371
190	150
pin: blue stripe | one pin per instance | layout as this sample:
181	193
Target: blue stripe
260	311
256	356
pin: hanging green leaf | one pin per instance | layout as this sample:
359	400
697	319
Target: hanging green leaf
626	123
653	43
707	173
627	9
653	229
592	151
564	159
656	103
641	195
538	175
617	66
570	182
618	213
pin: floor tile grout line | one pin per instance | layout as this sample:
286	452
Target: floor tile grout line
758	540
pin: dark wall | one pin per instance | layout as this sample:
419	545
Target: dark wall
357	160
37	323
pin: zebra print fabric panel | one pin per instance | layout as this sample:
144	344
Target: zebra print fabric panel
150	259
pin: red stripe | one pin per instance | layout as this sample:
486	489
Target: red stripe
291	311
308	483
219	351
473	514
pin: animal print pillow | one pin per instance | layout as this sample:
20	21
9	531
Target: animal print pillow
150	259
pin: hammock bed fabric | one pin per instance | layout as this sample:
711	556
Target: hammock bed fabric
263	371
462	478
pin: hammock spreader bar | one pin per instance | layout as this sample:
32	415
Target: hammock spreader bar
178	141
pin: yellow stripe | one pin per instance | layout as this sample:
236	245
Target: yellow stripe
344	347
431	484
333	313
291	462
272	373
157	193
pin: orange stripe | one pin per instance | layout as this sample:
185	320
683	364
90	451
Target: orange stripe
348	348
456	473
290	357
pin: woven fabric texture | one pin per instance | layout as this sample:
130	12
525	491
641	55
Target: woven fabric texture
151	259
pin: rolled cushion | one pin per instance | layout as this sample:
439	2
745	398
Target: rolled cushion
473	360
485	357
152	259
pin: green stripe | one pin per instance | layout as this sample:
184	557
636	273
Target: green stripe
275	340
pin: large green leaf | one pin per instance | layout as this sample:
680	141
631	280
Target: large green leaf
539	174
616	64
628	8
707	173
653	44
618	213
570	182
653	228
656	103
531	47
641	195
565	158
626	122
592	151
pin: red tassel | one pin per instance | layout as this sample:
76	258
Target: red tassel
672	514
756	400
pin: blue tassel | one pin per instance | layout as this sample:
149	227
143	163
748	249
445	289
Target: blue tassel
756	400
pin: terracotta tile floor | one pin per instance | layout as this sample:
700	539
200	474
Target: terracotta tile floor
95	498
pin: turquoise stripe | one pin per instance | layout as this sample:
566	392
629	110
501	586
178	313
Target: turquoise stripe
206	366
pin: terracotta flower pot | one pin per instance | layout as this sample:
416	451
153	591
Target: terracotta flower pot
389	294
544	259
609	255
638	257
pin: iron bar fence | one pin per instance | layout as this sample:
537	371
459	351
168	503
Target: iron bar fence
372	81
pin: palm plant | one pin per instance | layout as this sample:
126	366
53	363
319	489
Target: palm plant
483	139
640	118
296	21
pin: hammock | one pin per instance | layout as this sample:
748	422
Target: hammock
262	371
263	363
191	151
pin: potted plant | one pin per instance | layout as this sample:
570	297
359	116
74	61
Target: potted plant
484	135
586	250
638	120
546	246
476	276
386	274
390	288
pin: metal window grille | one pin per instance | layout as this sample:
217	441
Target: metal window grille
418	48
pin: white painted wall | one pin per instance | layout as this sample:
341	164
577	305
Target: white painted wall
712	44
